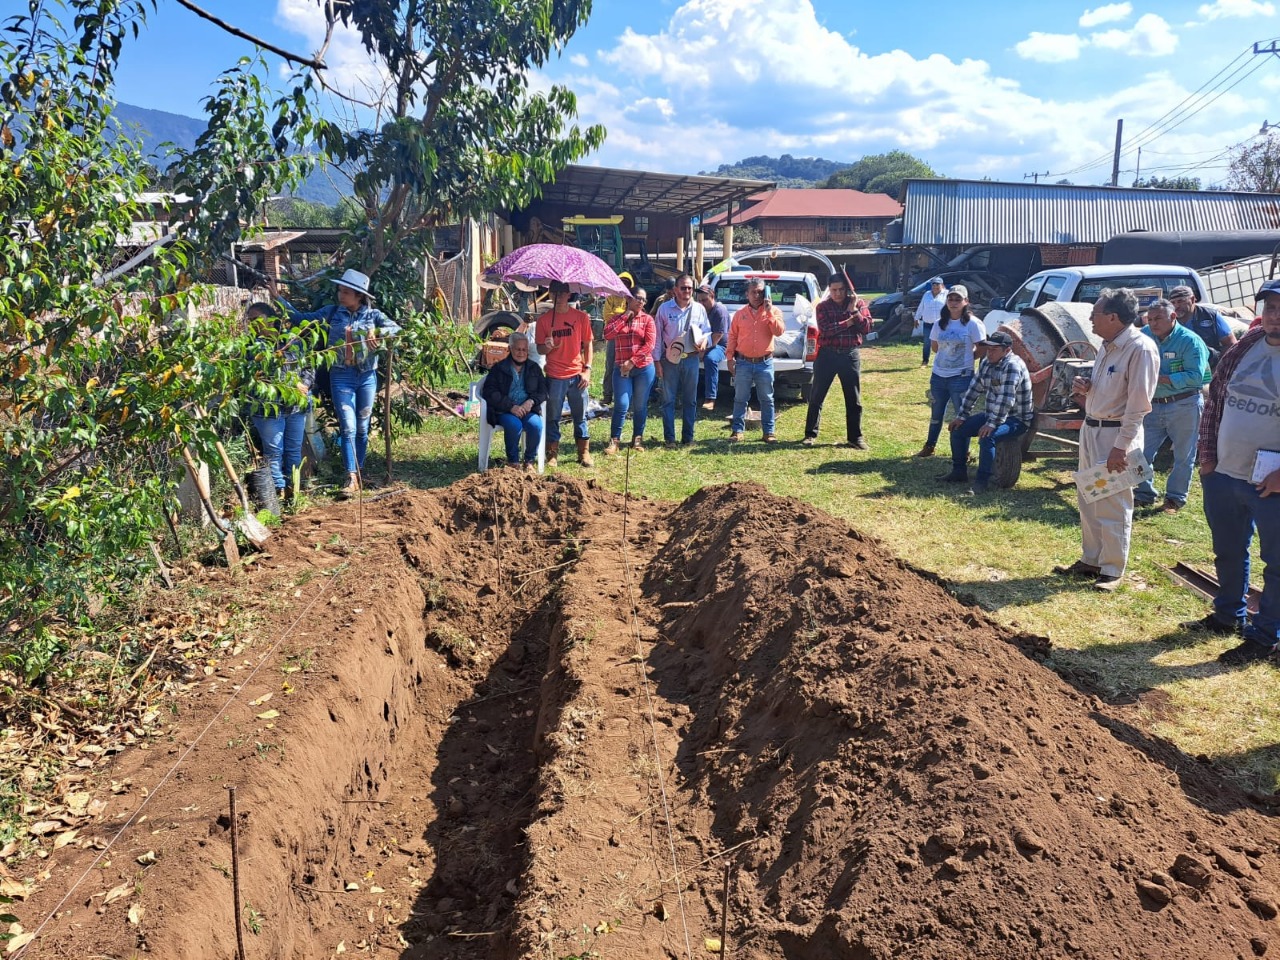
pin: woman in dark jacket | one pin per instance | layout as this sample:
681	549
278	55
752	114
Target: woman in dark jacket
514	391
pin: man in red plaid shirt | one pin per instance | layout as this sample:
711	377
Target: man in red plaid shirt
843	320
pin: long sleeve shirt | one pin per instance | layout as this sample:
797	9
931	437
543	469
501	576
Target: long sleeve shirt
633	336
1184	360
355	339
833	333
673	321
930	308
1124	378
1007	388
751	331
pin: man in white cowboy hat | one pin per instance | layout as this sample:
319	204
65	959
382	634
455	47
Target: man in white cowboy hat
356	335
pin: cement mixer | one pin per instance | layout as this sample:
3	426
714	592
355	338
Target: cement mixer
1057	343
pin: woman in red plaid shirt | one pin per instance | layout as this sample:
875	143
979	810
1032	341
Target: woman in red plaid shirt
634	336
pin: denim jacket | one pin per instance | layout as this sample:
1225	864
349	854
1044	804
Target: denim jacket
366	321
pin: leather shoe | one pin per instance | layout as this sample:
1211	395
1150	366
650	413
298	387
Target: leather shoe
1211	624
1248	651
1171	506
1106	583
954	477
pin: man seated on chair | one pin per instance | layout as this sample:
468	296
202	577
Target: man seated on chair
1004	381
514	391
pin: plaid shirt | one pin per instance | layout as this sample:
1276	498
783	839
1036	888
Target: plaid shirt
832	334
1007	387
1211	419
633	338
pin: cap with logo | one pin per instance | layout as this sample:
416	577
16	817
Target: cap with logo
936	281
1180	291
1271	286
998	339
959	290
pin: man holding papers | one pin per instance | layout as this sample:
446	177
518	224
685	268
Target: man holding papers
1116	399
1239	456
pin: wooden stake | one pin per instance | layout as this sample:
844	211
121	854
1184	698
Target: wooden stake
724	913
235	874
386	408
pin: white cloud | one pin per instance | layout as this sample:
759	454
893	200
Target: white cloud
580	60
351	70
1151	36
651	109
1222	9
1050	47
1109	13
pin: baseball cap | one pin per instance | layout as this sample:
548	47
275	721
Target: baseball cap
960	290
998	339
1271	286
705	288
1181	290
937	280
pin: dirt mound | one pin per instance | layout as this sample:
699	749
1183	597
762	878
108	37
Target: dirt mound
516	736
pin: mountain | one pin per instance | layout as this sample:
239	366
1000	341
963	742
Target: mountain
786	170
155	127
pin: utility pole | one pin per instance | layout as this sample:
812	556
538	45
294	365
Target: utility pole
1270	46
1115	161
1035	176
1137	174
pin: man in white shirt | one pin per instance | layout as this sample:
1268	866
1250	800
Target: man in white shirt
928	312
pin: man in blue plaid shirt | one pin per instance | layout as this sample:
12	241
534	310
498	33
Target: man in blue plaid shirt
1004	381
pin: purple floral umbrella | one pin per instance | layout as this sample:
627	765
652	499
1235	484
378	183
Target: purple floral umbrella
539	263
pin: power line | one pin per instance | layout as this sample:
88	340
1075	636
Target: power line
1236	71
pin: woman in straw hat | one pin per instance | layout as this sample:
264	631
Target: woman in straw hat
356	335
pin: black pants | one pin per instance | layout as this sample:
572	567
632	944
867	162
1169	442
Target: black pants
829	364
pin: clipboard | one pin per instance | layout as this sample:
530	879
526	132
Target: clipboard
1265	463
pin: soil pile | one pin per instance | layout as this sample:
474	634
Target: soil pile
516	736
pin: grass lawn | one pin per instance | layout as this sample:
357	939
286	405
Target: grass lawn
995	551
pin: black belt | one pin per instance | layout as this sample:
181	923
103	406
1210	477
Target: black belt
1176	396
1101	423
746	359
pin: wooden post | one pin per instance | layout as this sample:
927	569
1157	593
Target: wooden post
680	255
698	250
508	241
386	408
727	252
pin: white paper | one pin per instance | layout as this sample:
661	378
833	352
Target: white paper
1265	463
1097	482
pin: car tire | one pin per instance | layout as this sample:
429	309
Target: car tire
1008	465
500	320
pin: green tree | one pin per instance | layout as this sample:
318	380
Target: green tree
103	373
1255	165
881	173
295	212
1169	183
743	236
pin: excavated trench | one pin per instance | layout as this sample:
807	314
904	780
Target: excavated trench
517	738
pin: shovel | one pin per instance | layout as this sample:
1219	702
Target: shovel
253	529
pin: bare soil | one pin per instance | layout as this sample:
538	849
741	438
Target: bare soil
498	732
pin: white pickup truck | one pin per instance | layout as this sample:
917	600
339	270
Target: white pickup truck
1083	284
795	294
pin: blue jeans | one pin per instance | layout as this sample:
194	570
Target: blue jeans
928	343
961	436
1179	423
574	389
945	390
353	391
745	376
281	437
637	385
711	372
680	382
512	426
1234	511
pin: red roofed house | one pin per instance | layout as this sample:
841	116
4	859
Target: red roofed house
814	217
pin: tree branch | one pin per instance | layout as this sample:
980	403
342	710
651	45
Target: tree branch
315	63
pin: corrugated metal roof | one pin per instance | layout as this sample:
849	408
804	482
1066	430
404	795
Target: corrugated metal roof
968	212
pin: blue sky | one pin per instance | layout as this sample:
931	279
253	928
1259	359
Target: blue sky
1002	89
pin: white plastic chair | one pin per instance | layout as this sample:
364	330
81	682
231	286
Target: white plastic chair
487	431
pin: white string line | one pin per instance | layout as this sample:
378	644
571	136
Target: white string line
653	723
244	685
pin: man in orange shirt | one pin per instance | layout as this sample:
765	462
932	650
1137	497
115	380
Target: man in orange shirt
564	338
750	358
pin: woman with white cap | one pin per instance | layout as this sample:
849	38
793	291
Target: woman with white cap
356	335
954	336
